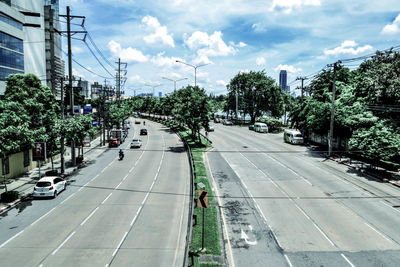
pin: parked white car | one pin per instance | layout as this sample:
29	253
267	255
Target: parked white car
49	186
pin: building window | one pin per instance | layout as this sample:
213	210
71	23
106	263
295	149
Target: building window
10	21
9	58
6	166
26	158
4	72
11	42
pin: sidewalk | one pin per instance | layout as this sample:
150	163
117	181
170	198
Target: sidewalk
372	171
24	184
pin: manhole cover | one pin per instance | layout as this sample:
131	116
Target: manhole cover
245	147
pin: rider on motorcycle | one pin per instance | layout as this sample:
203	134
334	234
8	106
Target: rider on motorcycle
121	153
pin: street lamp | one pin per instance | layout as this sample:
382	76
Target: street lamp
153	86
174	81
193	66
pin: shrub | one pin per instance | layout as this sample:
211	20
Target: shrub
274	125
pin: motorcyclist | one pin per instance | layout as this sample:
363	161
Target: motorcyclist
121	154
144	122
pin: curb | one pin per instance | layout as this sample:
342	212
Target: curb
395	183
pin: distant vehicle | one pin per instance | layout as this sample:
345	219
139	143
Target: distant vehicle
260	127
251	127
113	142
49	187
217	120
227	122
137	121
293	137
143	131
119	134
136	143
211	128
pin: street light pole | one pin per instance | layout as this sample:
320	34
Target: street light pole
195	69
174	81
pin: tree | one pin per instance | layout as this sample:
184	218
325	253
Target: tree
192	109
257	93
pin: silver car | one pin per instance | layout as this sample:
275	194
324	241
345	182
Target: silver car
49	186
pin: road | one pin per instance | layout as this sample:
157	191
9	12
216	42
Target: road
113	213
286	205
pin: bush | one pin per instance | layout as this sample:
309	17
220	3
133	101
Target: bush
9	196
274	125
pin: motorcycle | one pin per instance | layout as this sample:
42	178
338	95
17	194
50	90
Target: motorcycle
121	156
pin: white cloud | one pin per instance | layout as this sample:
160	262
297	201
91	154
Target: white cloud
260	61
221	82
209	45
244	71
258	27
288	68
76	49
162	61
287	6
347	47
240	44
126	54
393	27
160	32
135	77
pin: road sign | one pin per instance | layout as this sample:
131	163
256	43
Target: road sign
203	199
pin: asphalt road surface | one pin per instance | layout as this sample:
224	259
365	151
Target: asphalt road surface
114	213
286	205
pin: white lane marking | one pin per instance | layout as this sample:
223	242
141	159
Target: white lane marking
245	237
134	219
62	244
43	216
327	238
300	209
88	217
65	200
265	174
80	188
104	201
125	177
378	232
287	260
2	245
120	243
390	206
222	213
94	177
119	185
348	261
286	167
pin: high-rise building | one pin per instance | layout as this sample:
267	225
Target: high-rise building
11	42
29	42
283	80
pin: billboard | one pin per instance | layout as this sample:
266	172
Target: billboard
39	151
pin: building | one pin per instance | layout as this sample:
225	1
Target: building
29	42
83	88
283	81
11	42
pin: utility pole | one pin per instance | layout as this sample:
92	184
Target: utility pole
302	85
69	34
335	66
119	80
62	135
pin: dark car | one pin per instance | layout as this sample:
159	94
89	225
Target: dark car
143	131
251	127
113	142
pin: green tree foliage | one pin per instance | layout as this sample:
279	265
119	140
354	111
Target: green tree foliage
257	93
366	106
192	109
30	107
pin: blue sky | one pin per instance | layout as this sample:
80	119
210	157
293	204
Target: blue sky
300	36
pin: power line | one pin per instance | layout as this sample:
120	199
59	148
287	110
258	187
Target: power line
98	50
91	51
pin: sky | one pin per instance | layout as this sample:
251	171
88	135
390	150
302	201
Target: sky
230	36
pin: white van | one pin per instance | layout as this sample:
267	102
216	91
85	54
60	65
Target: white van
293	137
260	127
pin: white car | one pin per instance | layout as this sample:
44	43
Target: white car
49	186
136	143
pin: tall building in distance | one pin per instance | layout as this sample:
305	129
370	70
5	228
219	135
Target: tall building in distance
283	81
